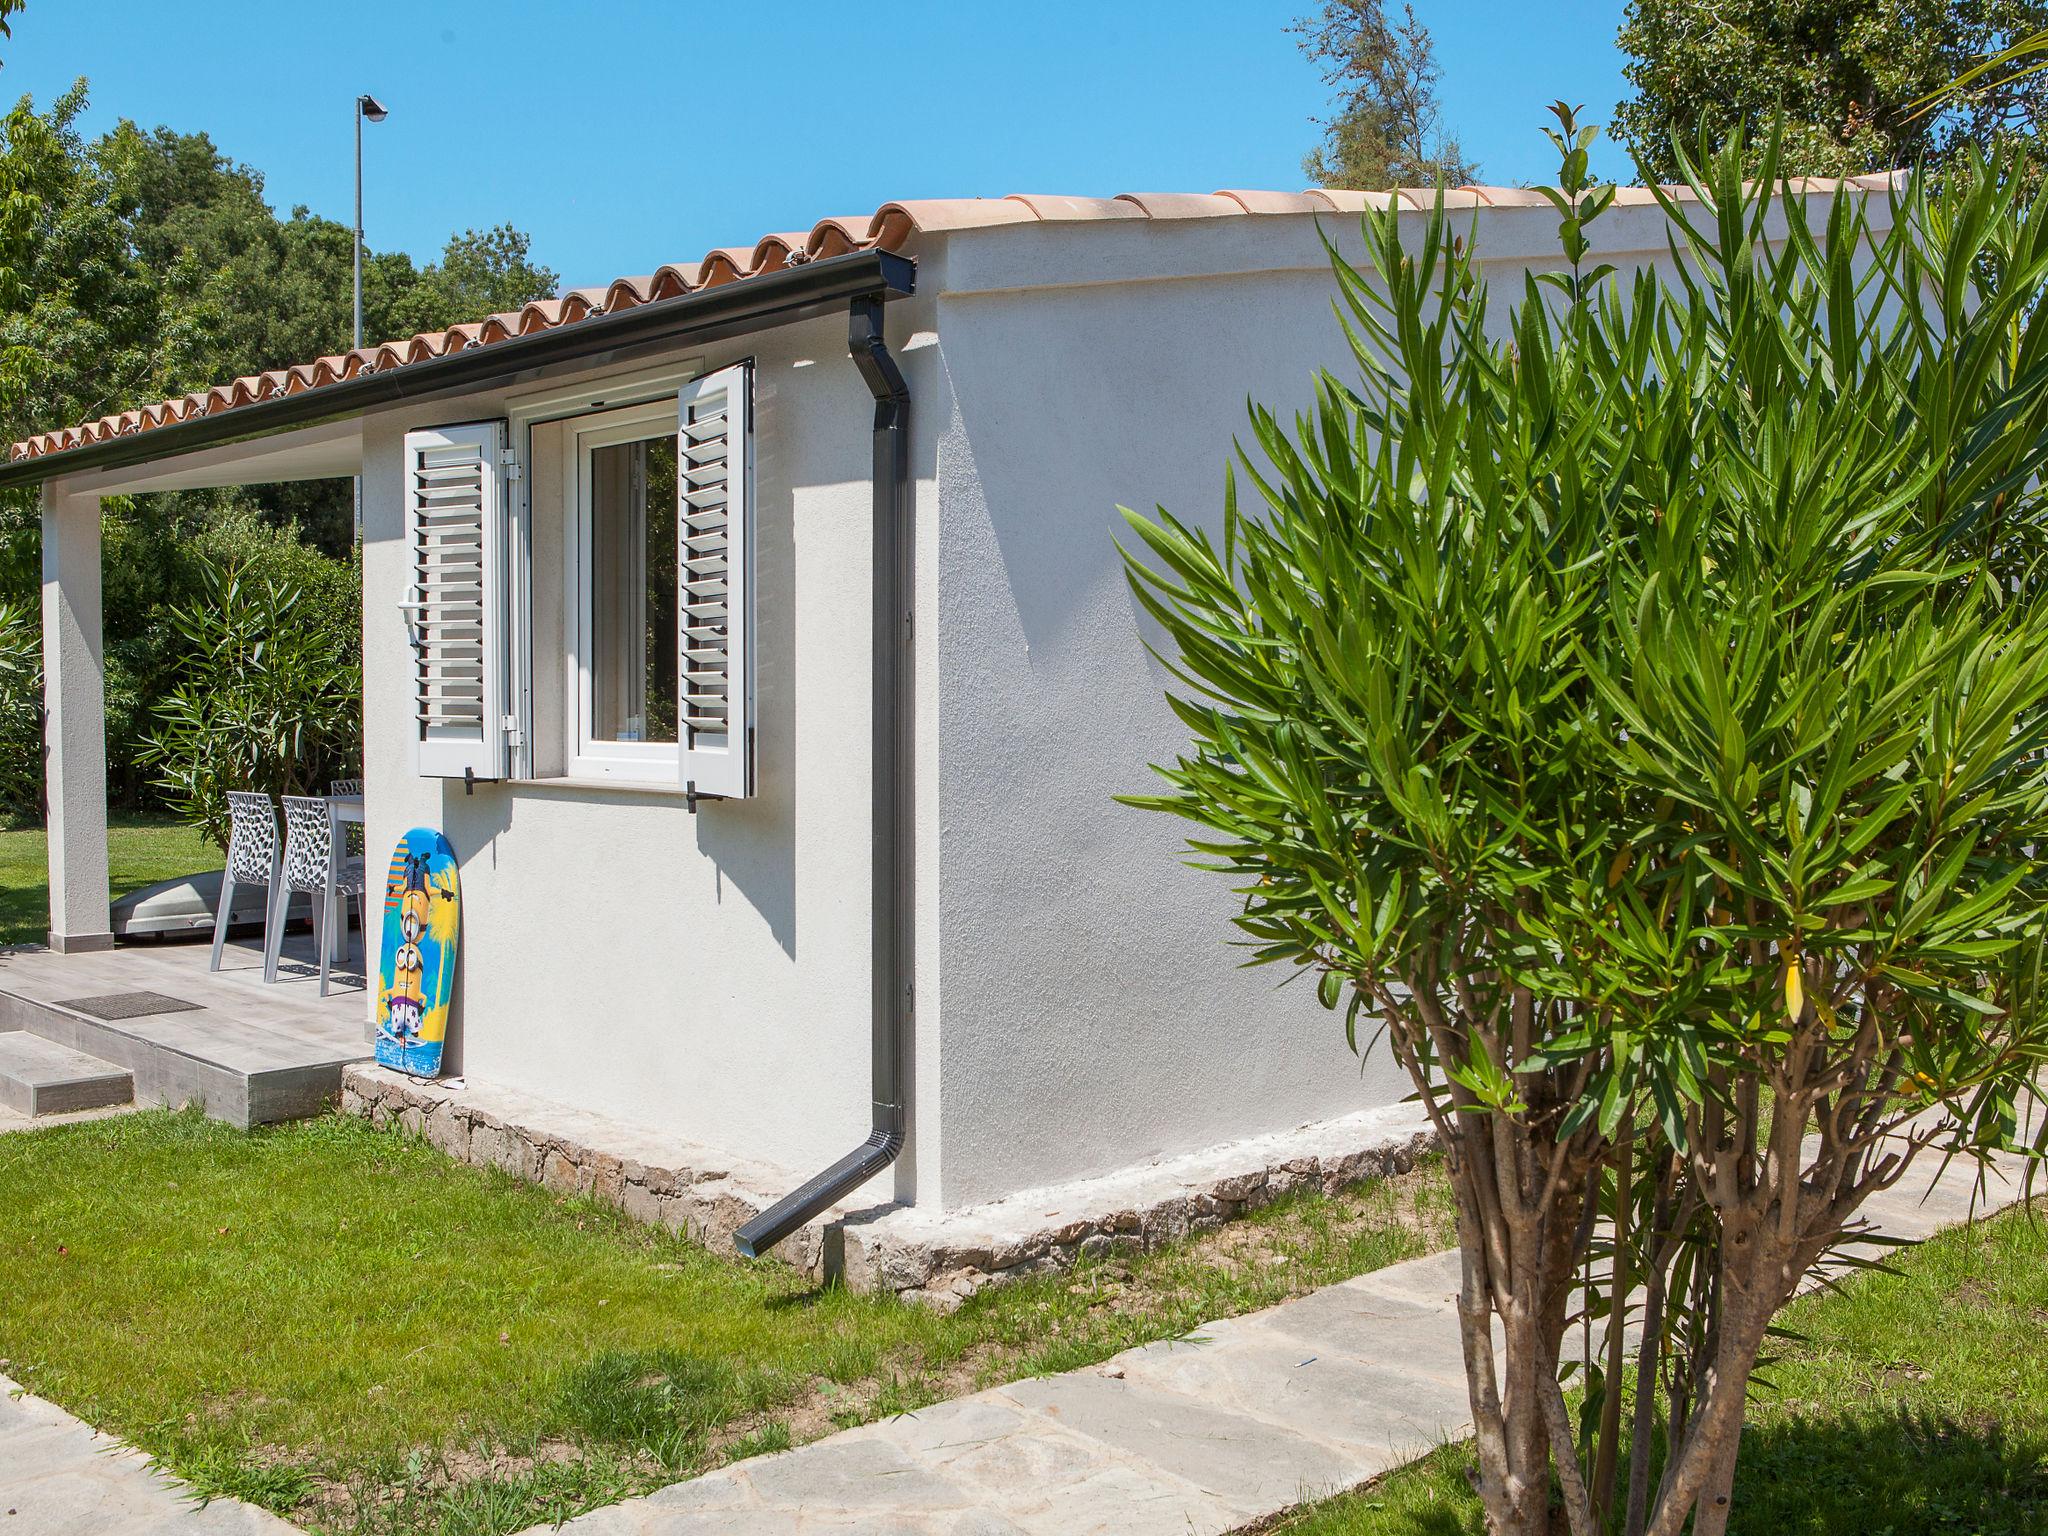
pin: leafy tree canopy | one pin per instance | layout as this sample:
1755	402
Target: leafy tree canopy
145	263
1849	76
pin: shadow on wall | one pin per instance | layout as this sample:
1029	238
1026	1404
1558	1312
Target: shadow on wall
471	823
752	843
1143	387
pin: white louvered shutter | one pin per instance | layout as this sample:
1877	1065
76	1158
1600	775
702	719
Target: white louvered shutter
714	578
454	533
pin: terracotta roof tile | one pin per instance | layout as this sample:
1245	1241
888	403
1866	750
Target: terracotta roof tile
1509	197
835	237
771	253
1183	205
1275	202
890	227
1345	200
726	265
941	215
1455	198
1055	208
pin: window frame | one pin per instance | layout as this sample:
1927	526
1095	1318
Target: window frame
635	762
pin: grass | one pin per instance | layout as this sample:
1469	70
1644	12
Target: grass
345	1326
1908	1403
141	850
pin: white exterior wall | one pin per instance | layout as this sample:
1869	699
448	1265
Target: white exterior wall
707	974
1095	1015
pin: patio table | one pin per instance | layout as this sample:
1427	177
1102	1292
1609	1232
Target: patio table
343	810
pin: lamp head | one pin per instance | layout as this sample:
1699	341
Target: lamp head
372	108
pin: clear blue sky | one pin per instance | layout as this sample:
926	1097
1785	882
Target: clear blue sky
628	133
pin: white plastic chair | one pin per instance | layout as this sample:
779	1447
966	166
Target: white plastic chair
308	851
352	831
252	860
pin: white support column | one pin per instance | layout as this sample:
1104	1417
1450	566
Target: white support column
75	721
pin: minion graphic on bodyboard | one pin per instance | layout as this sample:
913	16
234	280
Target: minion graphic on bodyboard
416	969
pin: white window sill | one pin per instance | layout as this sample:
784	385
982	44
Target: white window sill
619	760
605	784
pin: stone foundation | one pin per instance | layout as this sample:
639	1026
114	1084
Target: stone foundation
662	1180
936	1257
943	1257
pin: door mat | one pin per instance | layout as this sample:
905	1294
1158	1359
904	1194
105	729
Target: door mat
129	1005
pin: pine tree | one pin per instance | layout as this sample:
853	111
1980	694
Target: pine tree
1387	129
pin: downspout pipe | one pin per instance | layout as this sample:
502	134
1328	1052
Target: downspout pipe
889	896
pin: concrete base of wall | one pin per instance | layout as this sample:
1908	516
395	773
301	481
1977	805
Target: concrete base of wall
79	943
939	1258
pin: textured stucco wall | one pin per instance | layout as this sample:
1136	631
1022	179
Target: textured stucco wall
1094	1015
703	974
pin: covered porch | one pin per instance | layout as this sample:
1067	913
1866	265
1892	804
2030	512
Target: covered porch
74	655
84	1024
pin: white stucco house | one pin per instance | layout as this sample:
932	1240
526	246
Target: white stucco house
785	823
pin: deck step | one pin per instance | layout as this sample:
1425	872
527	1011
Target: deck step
41	1077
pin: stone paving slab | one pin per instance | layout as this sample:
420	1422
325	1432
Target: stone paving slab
1359	1408
1190	1437
60	1478
12	1120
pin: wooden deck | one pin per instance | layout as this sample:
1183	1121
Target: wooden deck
250	1052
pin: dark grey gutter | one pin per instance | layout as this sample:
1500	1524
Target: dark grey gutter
891	956
709	314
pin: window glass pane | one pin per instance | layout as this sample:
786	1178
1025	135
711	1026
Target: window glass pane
633	591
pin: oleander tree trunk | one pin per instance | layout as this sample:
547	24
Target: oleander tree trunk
1631	704
1521	1197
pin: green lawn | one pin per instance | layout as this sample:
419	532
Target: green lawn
348	1327
140	851
1910	1403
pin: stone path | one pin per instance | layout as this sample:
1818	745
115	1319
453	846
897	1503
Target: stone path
60	1478
1195	1436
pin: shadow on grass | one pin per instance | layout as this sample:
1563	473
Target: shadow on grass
799	1301
1889	1474
24	913
1874	1473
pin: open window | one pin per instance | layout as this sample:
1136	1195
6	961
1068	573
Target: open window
660	586
626	688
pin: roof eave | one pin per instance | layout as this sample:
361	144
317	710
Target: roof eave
798	292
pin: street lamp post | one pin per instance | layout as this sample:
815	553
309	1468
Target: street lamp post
375	110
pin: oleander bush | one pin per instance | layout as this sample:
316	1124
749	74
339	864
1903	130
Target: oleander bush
1627	699
269	695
